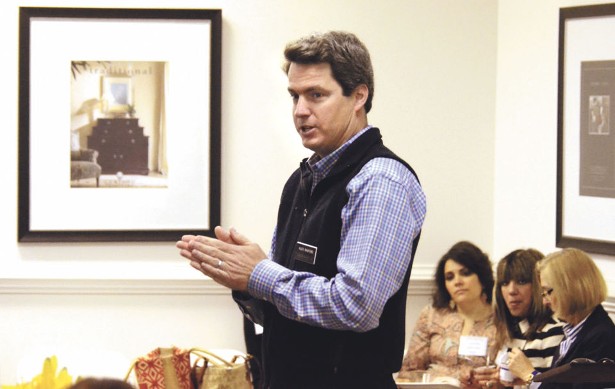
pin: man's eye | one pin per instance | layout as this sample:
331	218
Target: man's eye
316	95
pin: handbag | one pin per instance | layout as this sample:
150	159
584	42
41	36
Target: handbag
163	368
219	373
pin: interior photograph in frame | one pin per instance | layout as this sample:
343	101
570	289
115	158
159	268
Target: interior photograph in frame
107	100
115	141
586	133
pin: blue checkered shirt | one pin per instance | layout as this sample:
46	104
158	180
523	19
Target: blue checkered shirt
385	212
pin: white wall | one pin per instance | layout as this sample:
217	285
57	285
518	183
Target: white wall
437	65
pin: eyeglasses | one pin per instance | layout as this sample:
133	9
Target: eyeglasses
547	292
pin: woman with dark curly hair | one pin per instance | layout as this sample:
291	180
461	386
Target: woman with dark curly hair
461	312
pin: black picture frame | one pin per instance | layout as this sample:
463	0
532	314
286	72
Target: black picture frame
586	129
49	209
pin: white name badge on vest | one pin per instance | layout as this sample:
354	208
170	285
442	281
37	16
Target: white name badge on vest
305	253
473	346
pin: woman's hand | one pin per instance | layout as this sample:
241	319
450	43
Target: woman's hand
486	377
519	364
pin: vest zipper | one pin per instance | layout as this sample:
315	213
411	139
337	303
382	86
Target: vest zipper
306	186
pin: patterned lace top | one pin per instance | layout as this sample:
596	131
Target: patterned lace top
434	344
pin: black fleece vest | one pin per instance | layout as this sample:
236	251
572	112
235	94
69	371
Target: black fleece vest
293	349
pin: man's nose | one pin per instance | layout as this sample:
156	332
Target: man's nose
301	107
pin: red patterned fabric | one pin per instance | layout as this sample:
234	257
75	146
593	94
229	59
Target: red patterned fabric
164	369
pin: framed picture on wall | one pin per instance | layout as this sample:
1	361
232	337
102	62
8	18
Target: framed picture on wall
119	124
116	94
586	129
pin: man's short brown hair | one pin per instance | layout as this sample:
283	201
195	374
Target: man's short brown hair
350	62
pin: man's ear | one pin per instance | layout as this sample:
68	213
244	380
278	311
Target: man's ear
361	93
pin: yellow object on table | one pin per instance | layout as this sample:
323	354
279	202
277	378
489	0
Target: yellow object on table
48	379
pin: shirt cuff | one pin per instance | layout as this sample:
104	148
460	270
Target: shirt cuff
263	279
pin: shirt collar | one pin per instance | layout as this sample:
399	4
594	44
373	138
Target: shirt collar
524	325
571	331
322	166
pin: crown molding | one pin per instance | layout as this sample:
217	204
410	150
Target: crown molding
609	305
420	284
111	287
38	286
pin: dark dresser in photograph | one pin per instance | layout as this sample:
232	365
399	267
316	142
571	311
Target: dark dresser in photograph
121	146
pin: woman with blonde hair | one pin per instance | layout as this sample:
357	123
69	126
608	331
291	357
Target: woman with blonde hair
574	288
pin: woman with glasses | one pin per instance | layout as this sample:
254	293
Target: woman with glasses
574	288
460	315
525	326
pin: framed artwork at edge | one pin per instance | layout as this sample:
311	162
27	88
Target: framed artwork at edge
129	87
586	134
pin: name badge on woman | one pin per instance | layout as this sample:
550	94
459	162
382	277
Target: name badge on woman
473	346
